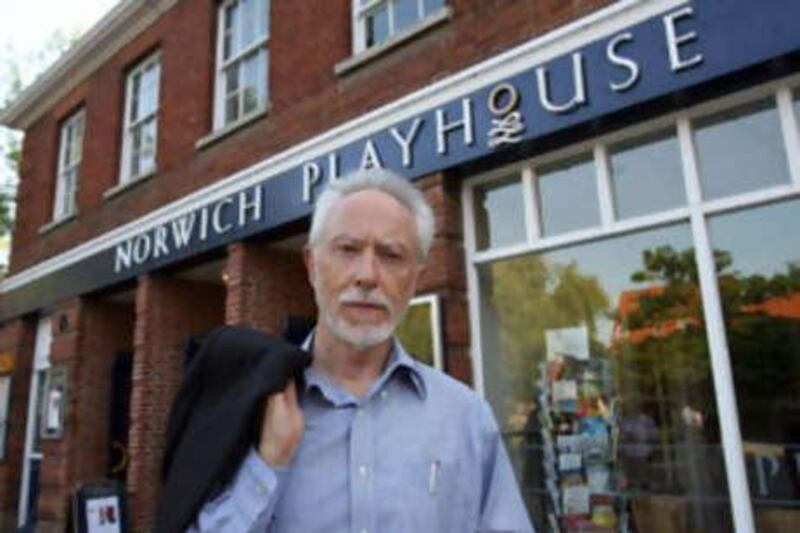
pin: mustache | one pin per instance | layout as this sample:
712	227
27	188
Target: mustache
356	296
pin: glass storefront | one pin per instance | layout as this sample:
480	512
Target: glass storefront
595	354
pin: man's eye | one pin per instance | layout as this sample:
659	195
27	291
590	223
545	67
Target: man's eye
347	248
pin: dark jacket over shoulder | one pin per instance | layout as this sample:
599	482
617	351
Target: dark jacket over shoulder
216	414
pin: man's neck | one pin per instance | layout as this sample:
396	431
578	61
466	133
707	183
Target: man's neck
348	367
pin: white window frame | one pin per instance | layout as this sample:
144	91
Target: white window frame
222	65
360	22
129	126
64	199
695	213
436	325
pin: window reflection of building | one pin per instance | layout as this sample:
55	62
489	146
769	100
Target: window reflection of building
638	293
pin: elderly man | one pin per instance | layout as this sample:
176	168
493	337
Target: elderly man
375	441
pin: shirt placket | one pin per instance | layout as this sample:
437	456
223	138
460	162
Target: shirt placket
362	470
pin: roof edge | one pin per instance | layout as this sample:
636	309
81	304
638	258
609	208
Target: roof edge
117	27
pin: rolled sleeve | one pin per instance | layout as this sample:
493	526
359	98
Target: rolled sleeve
248	503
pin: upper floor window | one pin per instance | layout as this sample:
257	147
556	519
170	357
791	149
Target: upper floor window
69	159
140	133
375	21
242	60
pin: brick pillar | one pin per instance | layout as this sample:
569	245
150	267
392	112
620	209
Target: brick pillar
167	311
265	285
57	471
445	273
16	343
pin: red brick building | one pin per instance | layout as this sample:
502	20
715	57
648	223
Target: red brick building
172	156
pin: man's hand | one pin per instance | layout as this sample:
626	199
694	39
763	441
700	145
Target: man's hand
282	427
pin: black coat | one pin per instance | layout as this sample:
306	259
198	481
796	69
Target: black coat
216	416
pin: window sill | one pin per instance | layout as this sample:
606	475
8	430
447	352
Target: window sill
129	184
365	56
223	132
57	222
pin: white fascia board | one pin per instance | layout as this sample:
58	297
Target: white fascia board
118	27
582	31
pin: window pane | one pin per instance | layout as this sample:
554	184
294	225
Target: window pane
568	196
595	361
232	78
432	5
149	90
646	175
136	148
148	150
136	82
231	20
499	213
377	25
416	334
741	150
759	280
406	13
231	108
249	22
263	16
252	82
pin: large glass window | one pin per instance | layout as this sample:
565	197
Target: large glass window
499	213
740	150
599	374
141	121
568	193
420	330
646	175
595	347
70	153
759	280
378	20
243	59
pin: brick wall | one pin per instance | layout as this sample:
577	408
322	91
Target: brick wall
16	338
307	99
265	285
167	311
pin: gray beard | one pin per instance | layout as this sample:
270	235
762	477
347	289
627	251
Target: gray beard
360	337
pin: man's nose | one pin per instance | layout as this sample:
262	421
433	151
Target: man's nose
367	270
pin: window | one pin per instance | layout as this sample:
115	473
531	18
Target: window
420	331
601	340
140	132
69	159
375	21
242	59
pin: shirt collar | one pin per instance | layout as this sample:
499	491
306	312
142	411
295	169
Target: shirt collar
400	364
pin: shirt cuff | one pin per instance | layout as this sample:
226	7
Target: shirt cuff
255	490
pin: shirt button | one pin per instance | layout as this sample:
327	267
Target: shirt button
362	470
384	394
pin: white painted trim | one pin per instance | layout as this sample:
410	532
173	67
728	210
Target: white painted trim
790	126
533	230
716	337
604	186
41	361
436	325
604	22
473	294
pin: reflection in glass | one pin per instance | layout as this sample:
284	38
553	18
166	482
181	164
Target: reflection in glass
405	14
378	25
416	332
646	175
568	196
759	280
595	361
740	150
499	213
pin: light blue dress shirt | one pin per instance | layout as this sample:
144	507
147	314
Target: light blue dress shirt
421	452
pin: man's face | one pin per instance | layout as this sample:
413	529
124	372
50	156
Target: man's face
364	269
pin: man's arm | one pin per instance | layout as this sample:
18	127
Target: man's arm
502	507
247	504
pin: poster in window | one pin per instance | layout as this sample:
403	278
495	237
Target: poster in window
54	402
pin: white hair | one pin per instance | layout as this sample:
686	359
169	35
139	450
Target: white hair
377	180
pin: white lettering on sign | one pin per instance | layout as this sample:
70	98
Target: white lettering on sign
509	125
216	216
675	41
311	176
250	206
370	157
626	63
444	128
406	141
579	87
